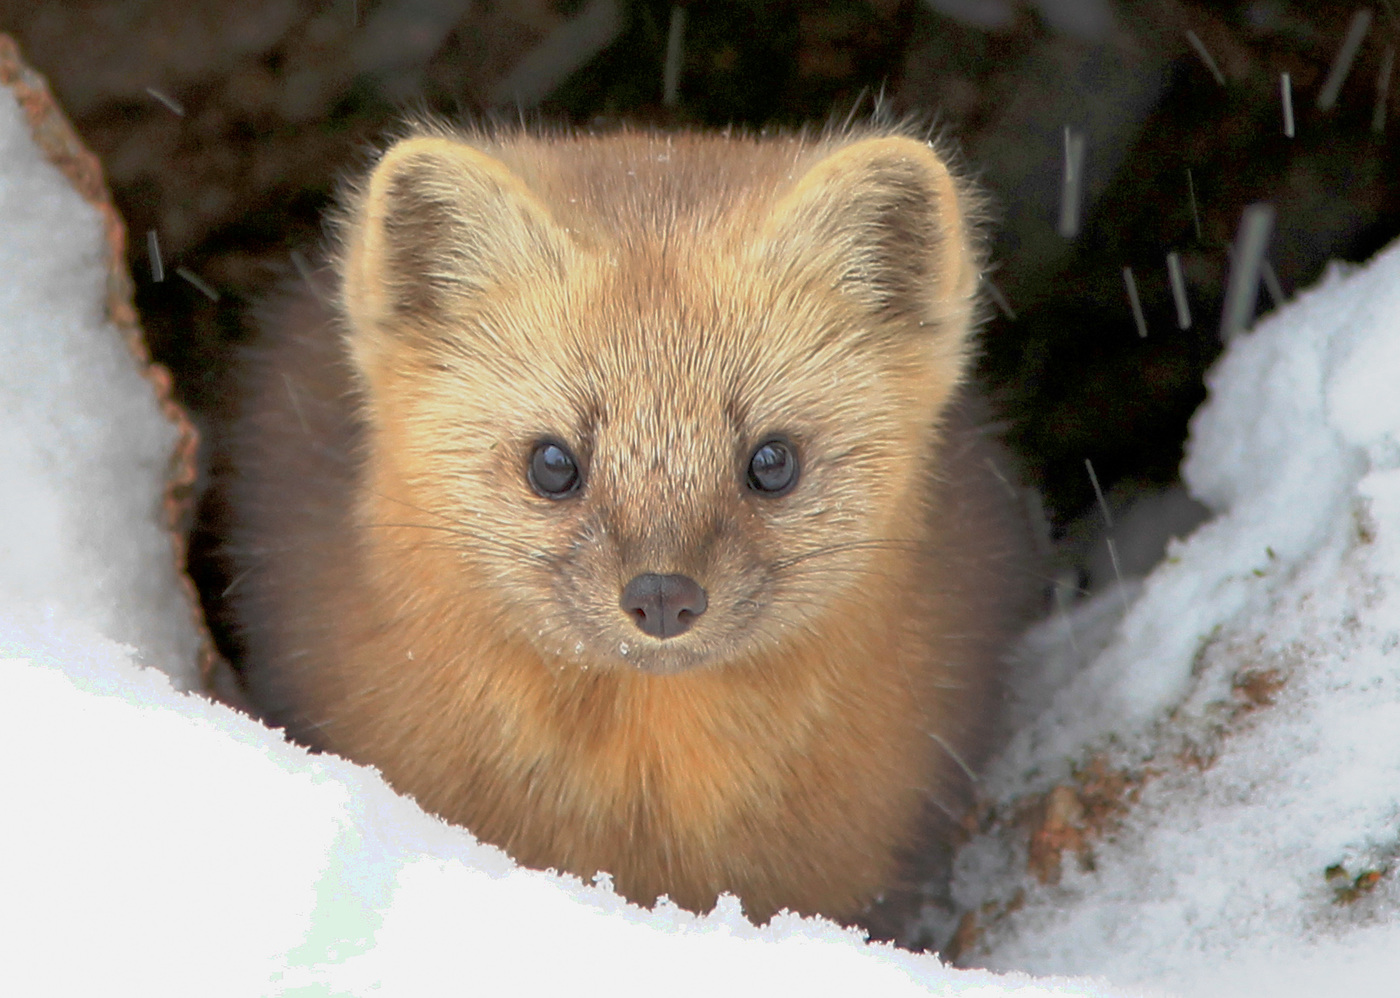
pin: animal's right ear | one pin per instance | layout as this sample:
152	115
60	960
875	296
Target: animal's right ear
438	224
884	218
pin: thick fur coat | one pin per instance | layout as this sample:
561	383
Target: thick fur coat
657	306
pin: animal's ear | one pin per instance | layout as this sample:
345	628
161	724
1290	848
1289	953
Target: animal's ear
883	217
438	223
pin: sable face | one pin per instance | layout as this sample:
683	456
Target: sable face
639	444
665	450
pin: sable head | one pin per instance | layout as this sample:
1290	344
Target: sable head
659	401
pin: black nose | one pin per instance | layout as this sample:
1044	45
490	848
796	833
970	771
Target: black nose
664	605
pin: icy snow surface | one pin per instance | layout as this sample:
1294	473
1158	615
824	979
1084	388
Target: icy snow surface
155	843
174	845
83	446
1253	688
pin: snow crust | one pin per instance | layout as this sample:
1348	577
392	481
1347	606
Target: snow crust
157	843
84	447
1251	693
172	842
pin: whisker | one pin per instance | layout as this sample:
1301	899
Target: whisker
464	530
529	553
942	743
845	546
947	811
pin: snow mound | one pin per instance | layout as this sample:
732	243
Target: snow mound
1211	801
172	842
84	445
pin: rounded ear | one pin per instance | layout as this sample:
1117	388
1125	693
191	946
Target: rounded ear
884	215
437	224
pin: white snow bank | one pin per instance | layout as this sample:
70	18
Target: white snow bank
159	844
84	448
1250	696
173	845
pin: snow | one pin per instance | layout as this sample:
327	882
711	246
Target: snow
83	444
160	843
1251	694
171	841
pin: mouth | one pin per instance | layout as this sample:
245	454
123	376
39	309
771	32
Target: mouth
658	658
625	648
585	635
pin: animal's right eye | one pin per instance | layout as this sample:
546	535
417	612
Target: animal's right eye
553	472
773	468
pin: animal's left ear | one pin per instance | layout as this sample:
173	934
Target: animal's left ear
883	216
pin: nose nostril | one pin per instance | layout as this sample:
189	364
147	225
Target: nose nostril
663	605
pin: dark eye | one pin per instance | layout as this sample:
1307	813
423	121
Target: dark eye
773	468
553	472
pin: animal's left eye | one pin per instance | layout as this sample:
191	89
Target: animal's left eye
773	468
553	471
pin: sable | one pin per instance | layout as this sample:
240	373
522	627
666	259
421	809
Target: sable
623	505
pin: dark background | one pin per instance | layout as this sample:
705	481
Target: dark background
281	98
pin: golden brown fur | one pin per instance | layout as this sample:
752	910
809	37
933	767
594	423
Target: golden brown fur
660	303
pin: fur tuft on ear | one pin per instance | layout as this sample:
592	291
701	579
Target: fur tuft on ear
438	223
884	214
